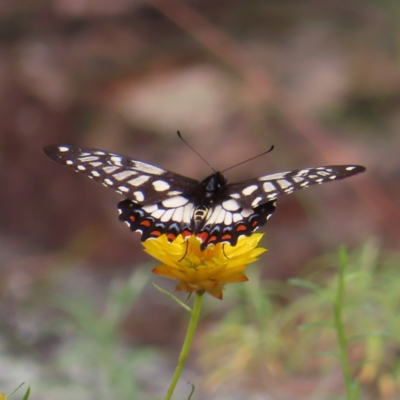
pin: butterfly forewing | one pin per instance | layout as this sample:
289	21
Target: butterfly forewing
141	182
254	192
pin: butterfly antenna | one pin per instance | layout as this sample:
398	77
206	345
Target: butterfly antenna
194	151
250	159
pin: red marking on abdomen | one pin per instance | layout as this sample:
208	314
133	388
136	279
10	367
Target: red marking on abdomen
254	224
212	239
226	237
241	228
155	233
145	223
132	218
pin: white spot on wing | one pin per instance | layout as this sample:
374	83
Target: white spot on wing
178	214
148	168
123	189
247	212
235	196
110	169
81	167
237	217
256	201
174	193
221	217
231	205
108	181
187	213
100	153
174	202
139	195
117	160
139	180
120	176
214	215
350	168
269	187
298	179
63	149
161	186
88	158
69	162
228	218
332	177
249	190
323	173
95	173
283	183
158	214
96	164
167	215
279	175
150	208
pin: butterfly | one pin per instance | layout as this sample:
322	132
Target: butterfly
162	202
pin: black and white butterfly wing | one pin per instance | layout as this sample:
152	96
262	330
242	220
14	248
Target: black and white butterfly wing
228	221
254	192
155	203
141	182
251	203
162	202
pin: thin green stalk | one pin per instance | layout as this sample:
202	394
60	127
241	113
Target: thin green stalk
194	319
341	336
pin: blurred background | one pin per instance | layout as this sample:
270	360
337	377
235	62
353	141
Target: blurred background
319	80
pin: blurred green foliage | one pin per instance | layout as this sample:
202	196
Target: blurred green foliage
94	358
278	332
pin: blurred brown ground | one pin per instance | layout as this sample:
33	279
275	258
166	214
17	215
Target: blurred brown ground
319	80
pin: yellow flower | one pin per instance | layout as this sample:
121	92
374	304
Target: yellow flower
203	270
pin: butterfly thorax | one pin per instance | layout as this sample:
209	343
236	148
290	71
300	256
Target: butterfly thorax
212	189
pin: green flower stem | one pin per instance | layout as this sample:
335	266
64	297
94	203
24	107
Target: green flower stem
194	319
341	336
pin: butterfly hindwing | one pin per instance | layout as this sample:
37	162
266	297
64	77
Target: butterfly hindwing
233	225
140	220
